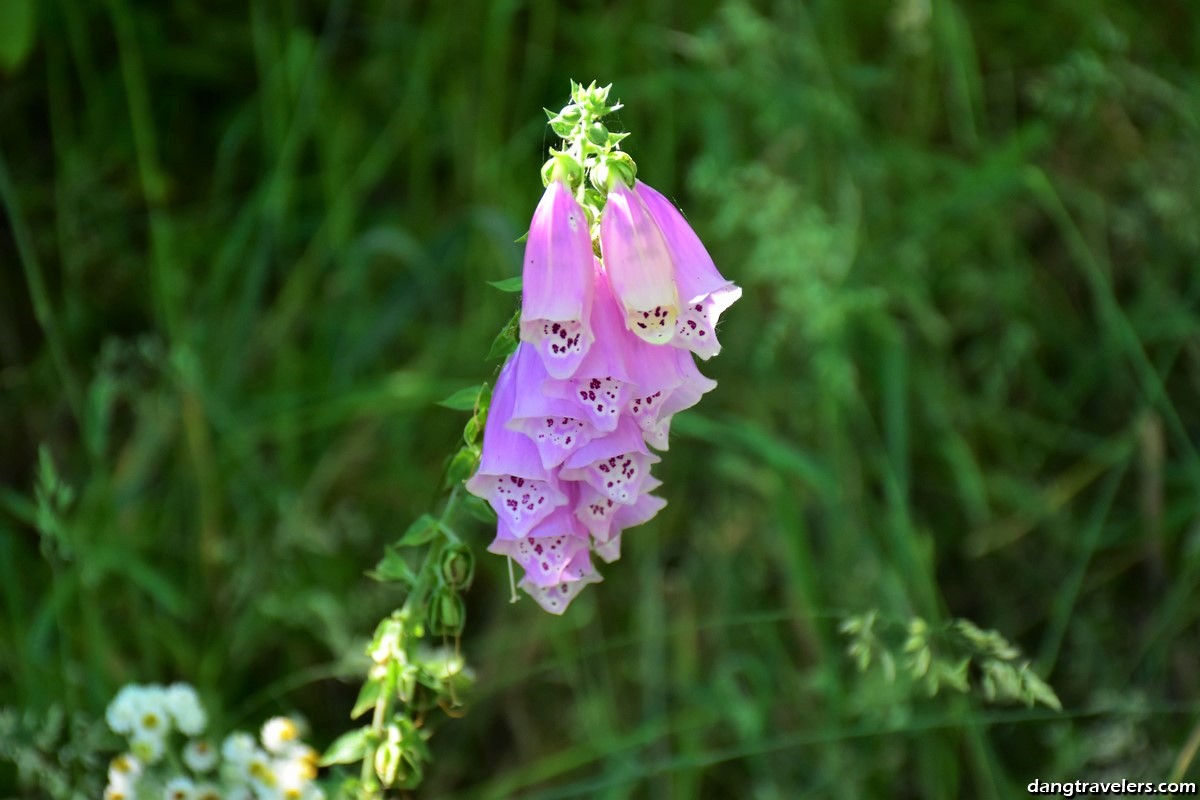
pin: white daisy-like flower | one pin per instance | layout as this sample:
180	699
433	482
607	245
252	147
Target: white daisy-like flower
183	704
293	777
240	793
200	756
261	773
124	770
151	716
305	757
278	733
238	748
148	747
118	793
121	714
180	788
206	791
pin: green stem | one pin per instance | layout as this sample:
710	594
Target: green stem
413	613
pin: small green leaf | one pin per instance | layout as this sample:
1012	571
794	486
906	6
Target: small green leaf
471	431
423	530
347	748
462	400
393	568
463	465
479	509
510	285
367	697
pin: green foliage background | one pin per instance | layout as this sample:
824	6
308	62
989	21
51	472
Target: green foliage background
245	249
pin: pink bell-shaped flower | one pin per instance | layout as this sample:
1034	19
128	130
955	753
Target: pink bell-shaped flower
556	282
546	553
605	518
510	474
556	598
703	292
616	465
556	425
639	266
601	386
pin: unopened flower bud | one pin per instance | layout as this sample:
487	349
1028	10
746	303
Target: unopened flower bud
388	759
597	134
458	566
570	113
447	613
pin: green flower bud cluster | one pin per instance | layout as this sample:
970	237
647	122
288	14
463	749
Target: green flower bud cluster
590	159
407	678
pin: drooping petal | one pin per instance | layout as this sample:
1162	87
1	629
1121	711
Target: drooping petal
548	551
605	518
616	465
510	474
601	386
639	266
609	551
683	386
556	426
703	293
556	294
560	522
555	599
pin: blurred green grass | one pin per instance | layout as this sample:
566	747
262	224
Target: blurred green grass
245	250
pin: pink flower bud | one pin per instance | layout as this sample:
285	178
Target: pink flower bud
556	294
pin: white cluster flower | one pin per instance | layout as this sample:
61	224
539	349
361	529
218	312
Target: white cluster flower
123	774
183	704
278	733
278	766
200	756
180	788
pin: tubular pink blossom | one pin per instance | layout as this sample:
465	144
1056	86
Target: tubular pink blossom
616	465
703	293
510	474
555	599
556	426
605	518
672	383
548	551
638	263
601	386
556	294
